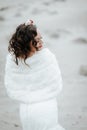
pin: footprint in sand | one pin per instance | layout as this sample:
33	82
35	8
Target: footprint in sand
83	70
46	3
16	125
80	40
59	33
59	0
4	8
54	35
2	18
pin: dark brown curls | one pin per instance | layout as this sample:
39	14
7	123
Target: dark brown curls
19	44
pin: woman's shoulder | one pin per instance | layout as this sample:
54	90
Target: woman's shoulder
9	56
10	60
47	50
39	54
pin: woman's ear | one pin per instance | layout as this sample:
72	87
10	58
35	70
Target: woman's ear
34	43
33	49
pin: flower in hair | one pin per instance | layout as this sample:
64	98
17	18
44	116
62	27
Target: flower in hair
29	22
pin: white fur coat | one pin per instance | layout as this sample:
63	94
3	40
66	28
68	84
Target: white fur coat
42	81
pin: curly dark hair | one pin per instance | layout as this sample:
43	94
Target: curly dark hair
19	44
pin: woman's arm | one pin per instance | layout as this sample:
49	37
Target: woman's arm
17	91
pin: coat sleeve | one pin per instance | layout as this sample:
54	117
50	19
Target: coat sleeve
16	91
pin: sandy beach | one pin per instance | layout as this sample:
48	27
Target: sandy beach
63	25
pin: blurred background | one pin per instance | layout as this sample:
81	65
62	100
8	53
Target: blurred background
63	25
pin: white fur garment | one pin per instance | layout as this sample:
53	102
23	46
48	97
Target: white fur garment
42	81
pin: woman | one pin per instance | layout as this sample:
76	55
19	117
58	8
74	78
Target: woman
33	78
